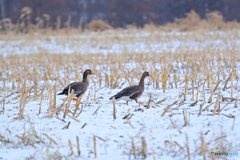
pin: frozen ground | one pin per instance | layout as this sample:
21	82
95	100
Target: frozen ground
166	136
126	42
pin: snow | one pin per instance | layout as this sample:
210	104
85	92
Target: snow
159	131
86	43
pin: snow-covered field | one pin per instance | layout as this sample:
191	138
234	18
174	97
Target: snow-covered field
118	58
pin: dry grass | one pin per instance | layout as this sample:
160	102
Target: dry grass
98	25
212	21
192	21
201	73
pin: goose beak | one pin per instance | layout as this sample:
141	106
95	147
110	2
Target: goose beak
93	73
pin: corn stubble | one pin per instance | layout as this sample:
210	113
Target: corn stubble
200	74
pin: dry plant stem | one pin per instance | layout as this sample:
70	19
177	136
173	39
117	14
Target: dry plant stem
192	90
54	96
204	90
13	83
149	101
20	89
59	118
94	99
200	109
180	104
114	108
233	123
78	147
50	103
207	106
99	89
185	118
133	148
205	146
129	122
232	85
226	98
211	83
197	91
229	116
235	104
80	111
193	104
157	82
40	105
224	107
144	147
95	146
188	151
186	82
5	90
159	102
130	116
212	92
104	140
167	108
169	81
208	80
225	86
51	139
236	83
217	105
180	95
164	81
153	153
48	156
22	103
71	148
84	125
224	76
88	98
186	87
60	108
96	110
126	116
69	101
73	118
202	147
130	154
185	94
35	90
175	81
59	80
178	144
77	105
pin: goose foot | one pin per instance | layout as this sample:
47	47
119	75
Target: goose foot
75	99
139	102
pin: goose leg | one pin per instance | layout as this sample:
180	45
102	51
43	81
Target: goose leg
75	99
127	103
139	102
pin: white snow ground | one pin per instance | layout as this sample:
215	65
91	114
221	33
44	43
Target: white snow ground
161	133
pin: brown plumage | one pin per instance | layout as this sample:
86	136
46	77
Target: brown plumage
78	87
132	92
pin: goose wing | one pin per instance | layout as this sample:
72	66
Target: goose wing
78	88
129	92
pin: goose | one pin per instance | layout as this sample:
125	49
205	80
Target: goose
78	87
132	92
